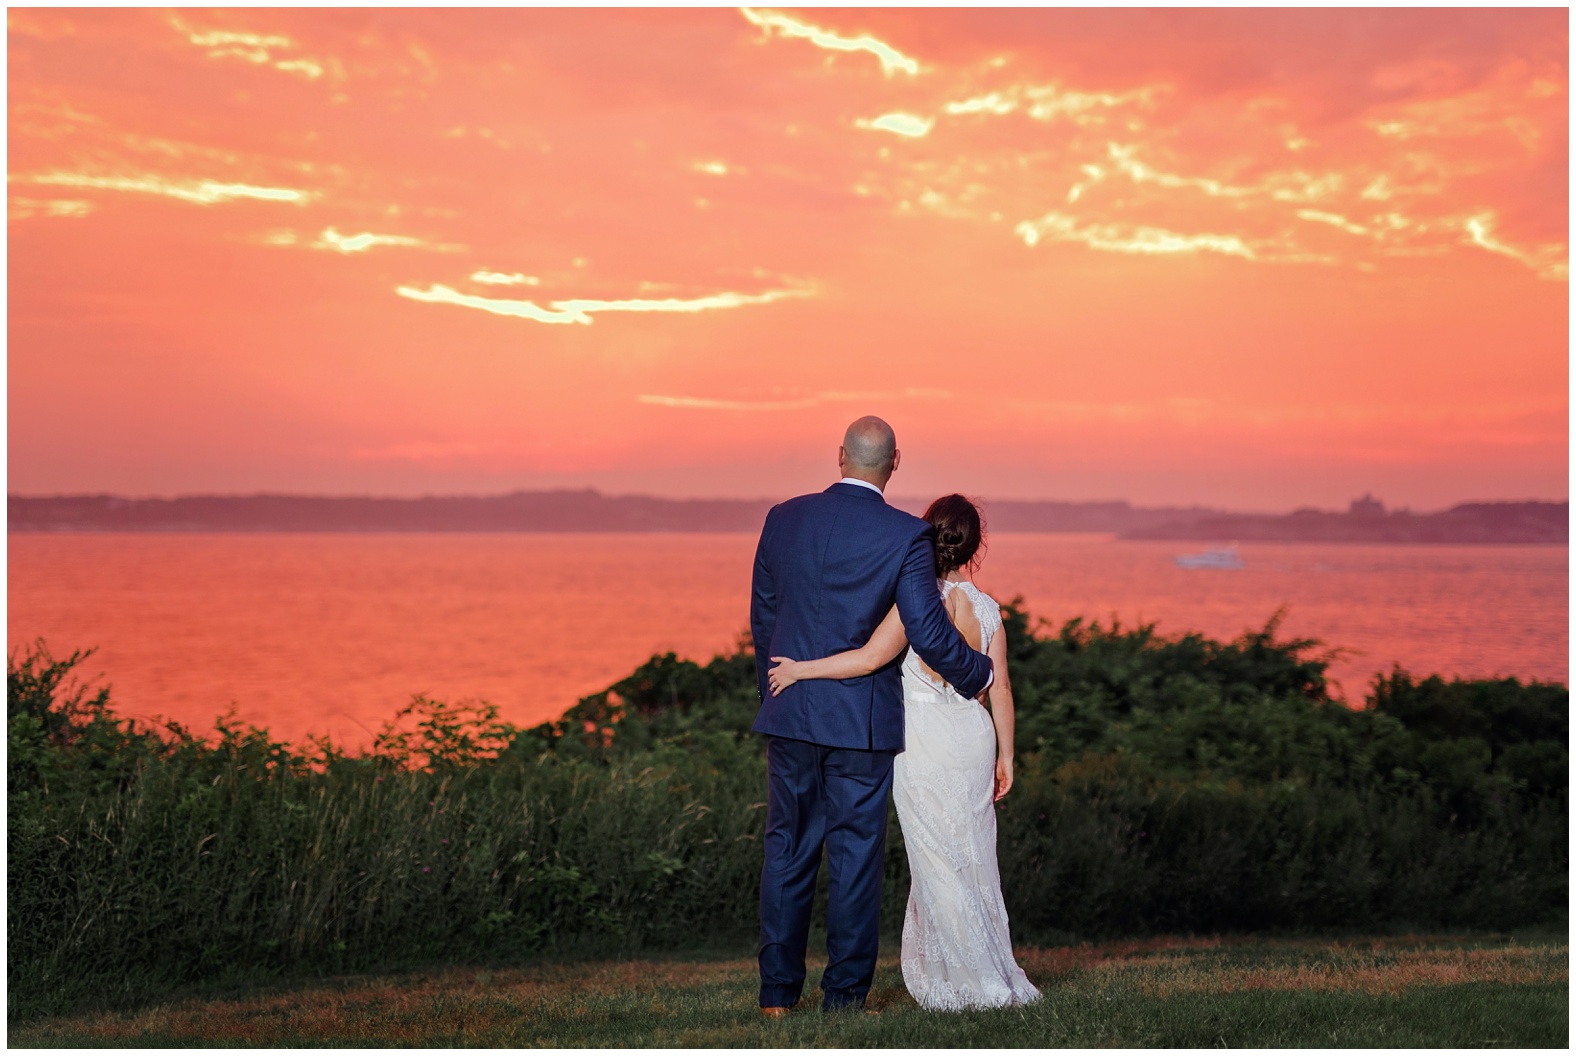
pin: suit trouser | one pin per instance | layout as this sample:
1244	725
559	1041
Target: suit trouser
836	797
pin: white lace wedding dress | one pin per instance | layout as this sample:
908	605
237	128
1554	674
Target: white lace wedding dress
956	950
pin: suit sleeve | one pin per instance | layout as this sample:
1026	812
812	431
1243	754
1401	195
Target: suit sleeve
763	608
937	642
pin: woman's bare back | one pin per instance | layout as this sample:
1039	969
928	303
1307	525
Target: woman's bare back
961	613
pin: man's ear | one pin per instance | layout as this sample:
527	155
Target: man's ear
897	456
842	457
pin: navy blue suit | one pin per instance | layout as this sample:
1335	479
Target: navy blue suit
828	569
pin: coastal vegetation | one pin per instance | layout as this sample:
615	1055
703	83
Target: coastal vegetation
1165	785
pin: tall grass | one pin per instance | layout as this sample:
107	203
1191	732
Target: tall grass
1088	850
140	858
195	868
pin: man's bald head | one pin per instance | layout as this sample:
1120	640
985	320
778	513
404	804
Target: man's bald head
869	451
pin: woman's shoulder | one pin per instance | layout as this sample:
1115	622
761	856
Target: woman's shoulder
988	607
974	593
970	586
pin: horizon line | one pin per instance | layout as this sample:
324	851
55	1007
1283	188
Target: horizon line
589	490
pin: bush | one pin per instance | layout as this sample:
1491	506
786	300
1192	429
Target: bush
1164	785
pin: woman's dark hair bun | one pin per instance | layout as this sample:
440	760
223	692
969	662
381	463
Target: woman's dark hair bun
959	532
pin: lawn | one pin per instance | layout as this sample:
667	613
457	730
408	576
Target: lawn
1430	991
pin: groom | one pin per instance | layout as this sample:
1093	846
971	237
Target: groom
828	569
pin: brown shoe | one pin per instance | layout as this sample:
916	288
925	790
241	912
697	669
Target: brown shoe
774	1012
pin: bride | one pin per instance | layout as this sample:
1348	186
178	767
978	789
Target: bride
956	764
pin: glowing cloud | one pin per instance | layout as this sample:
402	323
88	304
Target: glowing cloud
1141	173
1378	190
200	192
580	310
331	239
1500	106
1301	187
674	304
438	294
1295	186
249	47
1049	102
499	278
991	103
1239	207
1119	239
1549	262
1094	173
219	38
1317	217
27	208
902	124
305	67
892	60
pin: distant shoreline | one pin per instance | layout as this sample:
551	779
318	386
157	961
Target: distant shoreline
589	511
1113	537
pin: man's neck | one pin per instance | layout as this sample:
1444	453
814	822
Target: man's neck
863	484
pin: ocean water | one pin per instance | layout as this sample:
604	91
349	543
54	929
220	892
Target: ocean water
331	634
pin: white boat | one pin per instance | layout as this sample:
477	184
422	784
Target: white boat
1220	557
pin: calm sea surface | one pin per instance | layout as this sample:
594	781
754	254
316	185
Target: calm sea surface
329	633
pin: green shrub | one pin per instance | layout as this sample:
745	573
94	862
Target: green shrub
1163	785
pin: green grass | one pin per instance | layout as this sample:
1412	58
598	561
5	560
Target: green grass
1439	991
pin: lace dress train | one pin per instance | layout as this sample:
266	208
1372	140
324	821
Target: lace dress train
957	952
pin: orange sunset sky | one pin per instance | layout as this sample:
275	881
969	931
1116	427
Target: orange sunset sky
1249	258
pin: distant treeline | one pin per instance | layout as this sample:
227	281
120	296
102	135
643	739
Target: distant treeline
1166	785
590	511
1470	522
521	511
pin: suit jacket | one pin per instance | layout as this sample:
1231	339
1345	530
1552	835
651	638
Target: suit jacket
828	569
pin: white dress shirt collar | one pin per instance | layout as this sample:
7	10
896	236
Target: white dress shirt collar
861	483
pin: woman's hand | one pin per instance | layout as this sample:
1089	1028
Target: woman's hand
1003	777
782	676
